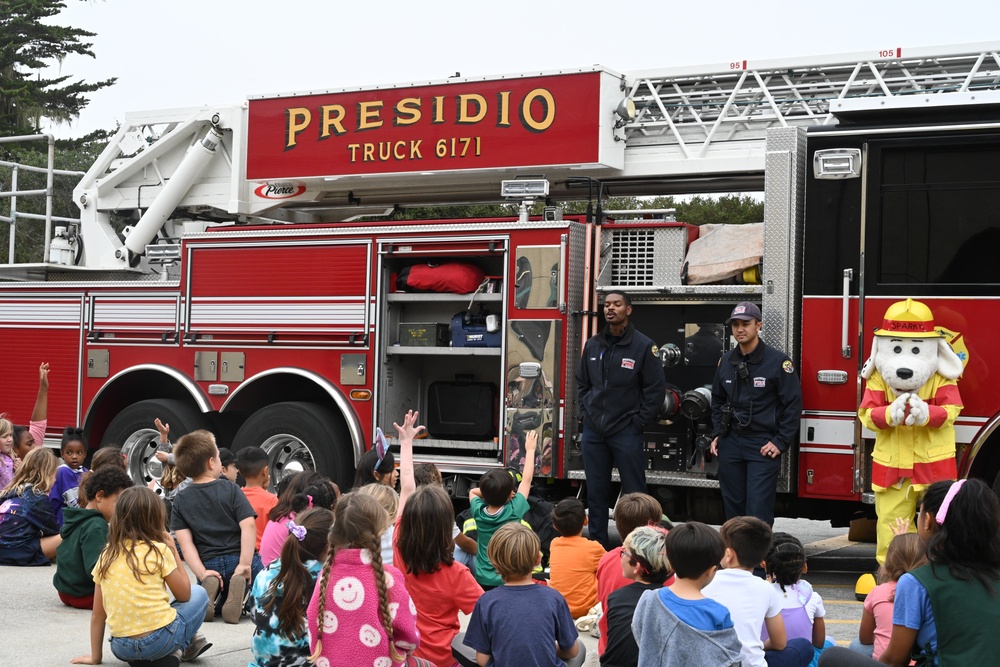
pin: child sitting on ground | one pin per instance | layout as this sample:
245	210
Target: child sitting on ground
29	534
130	593
520	622
228	461
281	592
389	500
643	562
292	499
573	558
495	503
802	608
360	612
85	534
906	552
678	625
252	464
753	602
215	526
25	438
67	485
631	511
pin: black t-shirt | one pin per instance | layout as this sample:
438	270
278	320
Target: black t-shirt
622	651
212	512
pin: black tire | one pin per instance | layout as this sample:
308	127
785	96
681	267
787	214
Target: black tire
133	430
300	436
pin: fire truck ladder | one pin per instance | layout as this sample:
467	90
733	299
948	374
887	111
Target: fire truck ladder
692	121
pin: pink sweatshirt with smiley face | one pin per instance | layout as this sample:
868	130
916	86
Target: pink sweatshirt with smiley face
351	626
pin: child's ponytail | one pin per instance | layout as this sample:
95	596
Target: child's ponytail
307	540
375	547
786	560
324	581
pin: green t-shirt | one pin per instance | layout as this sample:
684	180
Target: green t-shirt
487	524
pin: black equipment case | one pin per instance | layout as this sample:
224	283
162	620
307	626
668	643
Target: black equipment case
462	410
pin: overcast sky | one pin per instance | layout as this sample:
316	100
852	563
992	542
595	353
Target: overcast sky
180	53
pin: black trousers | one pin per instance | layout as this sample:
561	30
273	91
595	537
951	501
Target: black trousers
747	478
623	450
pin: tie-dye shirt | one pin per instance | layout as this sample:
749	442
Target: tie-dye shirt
271	649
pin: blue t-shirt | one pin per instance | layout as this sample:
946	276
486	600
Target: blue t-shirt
912	609
487	524
705	614
521	625
24	520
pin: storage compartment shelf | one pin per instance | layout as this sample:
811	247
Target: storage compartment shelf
424	297
444	351
438	443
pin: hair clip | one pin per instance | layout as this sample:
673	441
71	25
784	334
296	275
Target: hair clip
381	447
295	529
310	498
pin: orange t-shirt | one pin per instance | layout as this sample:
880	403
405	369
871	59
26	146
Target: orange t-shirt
573	571
261	500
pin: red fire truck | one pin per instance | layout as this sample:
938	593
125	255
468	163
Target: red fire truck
245	296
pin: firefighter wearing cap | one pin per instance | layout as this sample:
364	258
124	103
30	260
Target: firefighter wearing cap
756	408
911	401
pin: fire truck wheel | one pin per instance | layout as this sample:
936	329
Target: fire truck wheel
134	431
300	436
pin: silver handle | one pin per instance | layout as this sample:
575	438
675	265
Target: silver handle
845	348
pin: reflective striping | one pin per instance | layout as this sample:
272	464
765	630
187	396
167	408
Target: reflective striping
40	311
825	450
278	315
110	312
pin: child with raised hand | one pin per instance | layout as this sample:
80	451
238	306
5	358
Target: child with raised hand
281	593
573	559
134	578
676	625
440	586
906	552
520	622
29	437
85	534
496	502
802	608
753	602
360	612
66	488
29	534
947	609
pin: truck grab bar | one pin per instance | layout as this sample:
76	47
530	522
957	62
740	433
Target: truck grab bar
845	348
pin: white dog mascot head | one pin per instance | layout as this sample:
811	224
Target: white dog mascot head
908	350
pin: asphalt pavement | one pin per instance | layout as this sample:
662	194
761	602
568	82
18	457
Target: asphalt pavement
38	630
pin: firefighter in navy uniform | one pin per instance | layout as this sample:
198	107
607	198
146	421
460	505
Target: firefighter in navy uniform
756	408
621	387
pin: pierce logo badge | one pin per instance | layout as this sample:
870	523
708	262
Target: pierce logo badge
279	190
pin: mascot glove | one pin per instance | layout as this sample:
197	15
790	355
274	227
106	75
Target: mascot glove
896	413
919	412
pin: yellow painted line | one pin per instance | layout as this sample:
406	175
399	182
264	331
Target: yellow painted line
844	642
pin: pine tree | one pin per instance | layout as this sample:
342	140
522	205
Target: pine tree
28	45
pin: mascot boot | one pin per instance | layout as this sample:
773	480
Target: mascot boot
910	401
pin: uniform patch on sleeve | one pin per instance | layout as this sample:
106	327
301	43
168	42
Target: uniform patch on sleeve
787	366
655	350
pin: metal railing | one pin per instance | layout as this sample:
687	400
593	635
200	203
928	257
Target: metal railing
51	172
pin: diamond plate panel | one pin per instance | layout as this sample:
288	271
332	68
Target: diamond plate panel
784	202
575	271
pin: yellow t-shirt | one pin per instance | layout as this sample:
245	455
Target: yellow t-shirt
138	607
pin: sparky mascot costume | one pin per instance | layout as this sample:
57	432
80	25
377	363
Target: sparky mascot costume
911	401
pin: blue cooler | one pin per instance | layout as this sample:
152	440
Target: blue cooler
468	330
